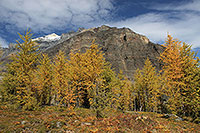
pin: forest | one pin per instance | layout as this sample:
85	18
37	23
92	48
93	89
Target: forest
33	81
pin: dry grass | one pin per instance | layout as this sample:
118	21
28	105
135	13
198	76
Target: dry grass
84	120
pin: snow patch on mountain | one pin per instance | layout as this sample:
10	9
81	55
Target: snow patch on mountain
48	38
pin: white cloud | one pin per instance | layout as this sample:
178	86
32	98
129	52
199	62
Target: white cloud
45	15
3	42
182	24
179	19
193	5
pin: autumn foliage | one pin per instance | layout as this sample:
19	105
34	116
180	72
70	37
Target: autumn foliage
86	80
181	70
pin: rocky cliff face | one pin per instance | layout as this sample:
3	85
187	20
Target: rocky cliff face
123	48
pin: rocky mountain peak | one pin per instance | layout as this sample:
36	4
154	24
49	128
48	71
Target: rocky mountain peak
122	47
48	38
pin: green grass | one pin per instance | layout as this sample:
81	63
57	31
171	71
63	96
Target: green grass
84	120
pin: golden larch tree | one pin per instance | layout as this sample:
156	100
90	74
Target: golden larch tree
181	69
18	82
88	77
124	92
146	88
43	81
63	93
172	69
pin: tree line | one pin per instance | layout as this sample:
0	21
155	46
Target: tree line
33	81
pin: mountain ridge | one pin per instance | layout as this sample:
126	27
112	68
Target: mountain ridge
122	47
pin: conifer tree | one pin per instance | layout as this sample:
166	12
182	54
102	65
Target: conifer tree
181	68
90	80
77	78
191	79
88	67
138	89
63	93
173	71
124	89
110	82
146	88
43	81
9	84
18	85
100	93
94	62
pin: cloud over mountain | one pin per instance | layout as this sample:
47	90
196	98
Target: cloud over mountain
179	20
45	15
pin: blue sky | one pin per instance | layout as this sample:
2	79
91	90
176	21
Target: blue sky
152	18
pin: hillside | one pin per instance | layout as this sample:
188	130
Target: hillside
123	48
80	92
84	120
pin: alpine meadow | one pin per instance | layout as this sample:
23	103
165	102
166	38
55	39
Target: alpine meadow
81	91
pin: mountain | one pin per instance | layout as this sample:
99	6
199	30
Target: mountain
48	38
123	48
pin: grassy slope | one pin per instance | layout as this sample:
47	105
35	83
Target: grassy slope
83	120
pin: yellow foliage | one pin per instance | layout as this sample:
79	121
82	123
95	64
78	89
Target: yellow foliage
147	88
181	70
43	81
18	83
63	93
